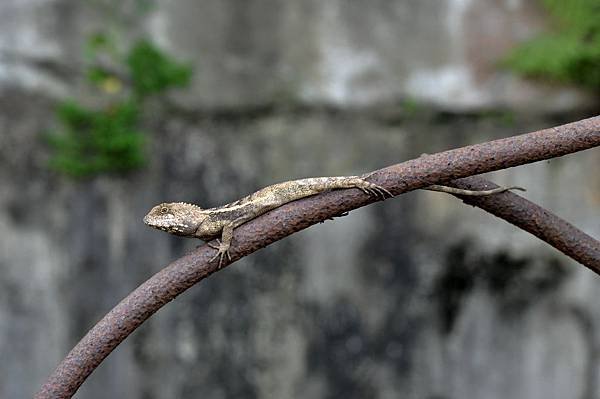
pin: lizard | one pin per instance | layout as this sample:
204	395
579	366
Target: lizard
189	220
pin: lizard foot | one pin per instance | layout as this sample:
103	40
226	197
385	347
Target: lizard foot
222	251
375	190
336	216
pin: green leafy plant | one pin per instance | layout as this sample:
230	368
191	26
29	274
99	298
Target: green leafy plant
107	139
97	141
153	72
570	54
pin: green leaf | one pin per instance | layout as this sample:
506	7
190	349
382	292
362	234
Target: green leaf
153	72
572	53
97	141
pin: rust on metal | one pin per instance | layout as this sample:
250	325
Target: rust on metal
438	168
534	219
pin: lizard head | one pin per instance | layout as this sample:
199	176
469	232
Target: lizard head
177	218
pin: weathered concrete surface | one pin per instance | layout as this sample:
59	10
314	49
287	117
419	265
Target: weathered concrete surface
442	53
445	53
417	297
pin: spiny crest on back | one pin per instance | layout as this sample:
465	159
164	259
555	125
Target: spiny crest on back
234	203
184	204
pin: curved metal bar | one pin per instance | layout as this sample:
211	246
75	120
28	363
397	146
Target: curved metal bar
180	275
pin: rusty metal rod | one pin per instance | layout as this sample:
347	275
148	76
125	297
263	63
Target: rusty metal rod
534	219
186	271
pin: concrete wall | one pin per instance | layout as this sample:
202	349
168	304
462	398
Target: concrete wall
418	297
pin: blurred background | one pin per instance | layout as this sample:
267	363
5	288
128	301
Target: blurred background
109	107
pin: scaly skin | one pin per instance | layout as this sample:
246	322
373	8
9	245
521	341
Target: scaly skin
190	220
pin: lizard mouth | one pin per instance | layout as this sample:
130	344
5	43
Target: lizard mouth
147	222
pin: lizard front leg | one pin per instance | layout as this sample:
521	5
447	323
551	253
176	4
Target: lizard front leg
226	236
223	244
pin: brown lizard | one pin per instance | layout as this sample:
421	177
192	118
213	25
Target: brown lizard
190	220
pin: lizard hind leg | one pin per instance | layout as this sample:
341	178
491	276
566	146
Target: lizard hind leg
371	189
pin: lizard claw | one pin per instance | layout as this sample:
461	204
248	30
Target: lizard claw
374	189
377	191
336	216
218	246
222	251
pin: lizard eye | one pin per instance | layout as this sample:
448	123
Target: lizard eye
164	209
